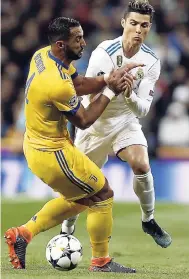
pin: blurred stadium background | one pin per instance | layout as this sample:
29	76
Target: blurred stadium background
24	24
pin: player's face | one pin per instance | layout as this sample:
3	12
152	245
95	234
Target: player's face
136	27
75	45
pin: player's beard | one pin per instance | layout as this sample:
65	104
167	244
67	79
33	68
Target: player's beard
71	55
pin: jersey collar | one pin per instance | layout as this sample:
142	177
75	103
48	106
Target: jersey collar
57	60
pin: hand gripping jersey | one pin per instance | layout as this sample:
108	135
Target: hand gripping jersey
109	55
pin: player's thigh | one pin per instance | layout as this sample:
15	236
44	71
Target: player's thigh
42	164
95	147
84	178
129	136
68	171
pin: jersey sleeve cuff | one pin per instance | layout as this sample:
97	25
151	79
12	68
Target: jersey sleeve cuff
73	111
74	75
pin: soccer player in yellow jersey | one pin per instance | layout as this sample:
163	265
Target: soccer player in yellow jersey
51	99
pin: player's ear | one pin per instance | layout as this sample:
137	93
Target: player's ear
123	22
60	44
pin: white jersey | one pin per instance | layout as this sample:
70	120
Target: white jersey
109	55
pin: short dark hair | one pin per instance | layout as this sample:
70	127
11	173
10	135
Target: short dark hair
141	7
59	28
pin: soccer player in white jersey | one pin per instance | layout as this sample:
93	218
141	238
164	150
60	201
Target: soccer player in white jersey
118	128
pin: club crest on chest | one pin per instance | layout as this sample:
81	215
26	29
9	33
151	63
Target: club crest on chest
139	74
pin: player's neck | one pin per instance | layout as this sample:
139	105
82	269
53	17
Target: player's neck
60	56
130	50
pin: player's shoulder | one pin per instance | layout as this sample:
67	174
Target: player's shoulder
41	51
60	86
59	76
55	78
110	46
61	79
148	53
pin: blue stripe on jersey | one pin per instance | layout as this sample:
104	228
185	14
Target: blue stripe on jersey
57	60
30	80
27	86
112	45
114	50
74	75
63	76
73	111
148	50
60	71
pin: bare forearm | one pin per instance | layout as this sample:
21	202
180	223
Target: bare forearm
91	113
90	85
95	109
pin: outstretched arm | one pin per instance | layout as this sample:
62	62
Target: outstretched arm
84	118
99	64
68	102
86	85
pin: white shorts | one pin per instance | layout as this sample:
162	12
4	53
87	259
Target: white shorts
97	147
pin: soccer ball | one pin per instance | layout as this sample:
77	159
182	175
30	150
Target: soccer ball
64	252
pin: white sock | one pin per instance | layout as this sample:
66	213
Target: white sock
68	225
144	189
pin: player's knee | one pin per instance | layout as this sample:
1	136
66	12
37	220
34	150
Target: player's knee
140	166
104	194
106	191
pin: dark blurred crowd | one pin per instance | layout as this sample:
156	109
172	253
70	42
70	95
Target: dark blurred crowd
24	25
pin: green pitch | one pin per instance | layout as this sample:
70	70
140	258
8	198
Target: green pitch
129	245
